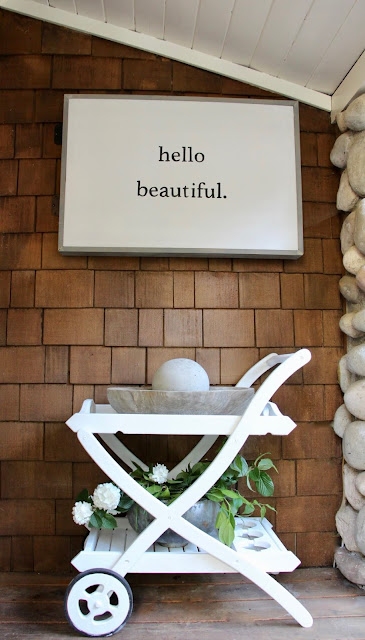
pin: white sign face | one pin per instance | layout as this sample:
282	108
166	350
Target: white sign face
186	176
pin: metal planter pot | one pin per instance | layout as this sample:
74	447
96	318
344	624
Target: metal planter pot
203	515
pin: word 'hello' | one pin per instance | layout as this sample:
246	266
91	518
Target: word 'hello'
185	155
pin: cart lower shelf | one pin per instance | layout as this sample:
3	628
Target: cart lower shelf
254	540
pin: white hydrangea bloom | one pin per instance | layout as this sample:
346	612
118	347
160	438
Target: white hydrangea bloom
106	496
159	473
82	512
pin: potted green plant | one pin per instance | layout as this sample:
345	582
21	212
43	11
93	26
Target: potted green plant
107	501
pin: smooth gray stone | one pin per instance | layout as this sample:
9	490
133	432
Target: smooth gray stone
360	278
351	565
360	530
346	196
347	327
349	289
356	359
345	377
353	444
340	149
356	164
347	232
341	122
359	225
353	260
360	483
345	524
354	399
341	420
352	494
358	321
354	116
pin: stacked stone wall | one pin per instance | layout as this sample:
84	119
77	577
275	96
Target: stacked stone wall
348	154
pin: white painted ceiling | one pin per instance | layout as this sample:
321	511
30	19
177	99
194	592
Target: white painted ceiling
310	43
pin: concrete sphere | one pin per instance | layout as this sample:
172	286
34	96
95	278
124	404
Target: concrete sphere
180	374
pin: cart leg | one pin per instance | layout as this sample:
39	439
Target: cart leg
278	593
246	567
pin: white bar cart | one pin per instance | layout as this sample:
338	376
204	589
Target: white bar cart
99	601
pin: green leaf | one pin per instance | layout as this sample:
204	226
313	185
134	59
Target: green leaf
95	520
229	493
199	468
137	472
249	508
226	532
154	489
261	456
248	483
108	521
125	503
221	517
215	495
239	464
231	519
265	485
238	501
165	492
254	474
262	511
236	504
265	464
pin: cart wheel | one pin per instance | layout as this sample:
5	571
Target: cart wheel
98	602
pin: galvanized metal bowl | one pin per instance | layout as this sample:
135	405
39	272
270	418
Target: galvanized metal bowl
203	515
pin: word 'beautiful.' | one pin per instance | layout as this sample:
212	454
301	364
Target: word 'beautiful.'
195	190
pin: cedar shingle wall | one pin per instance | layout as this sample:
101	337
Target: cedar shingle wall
70	326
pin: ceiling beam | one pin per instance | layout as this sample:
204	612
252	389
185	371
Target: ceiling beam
170	50
351	86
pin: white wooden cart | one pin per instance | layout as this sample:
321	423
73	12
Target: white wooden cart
99	601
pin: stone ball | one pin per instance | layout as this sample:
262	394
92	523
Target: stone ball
180	374
354	445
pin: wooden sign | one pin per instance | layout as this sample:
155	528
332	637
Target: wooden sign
180	176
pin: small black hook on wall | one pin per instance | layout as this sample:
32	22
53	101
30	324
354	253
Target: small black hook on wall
57	135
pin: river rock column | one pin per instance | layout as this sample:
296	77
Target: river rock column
348	154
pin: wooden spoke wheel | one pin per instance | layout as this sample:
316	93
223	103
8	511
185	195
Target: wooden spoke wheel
98	602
